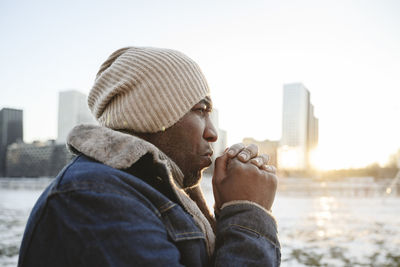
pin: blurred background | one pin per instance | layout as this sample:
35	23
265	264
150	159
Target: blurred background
315	84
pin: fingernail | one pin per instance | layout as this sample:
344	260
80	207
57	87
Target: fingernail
243	156
231	152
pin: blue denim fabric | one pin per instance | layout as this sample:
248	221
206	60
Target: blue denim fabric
94	215
246	237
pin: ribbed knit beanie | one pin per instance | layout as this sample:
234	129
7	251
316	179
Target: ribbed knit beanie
146	89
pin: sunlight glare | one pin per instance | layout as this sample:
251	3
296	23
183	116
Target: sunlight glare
334	157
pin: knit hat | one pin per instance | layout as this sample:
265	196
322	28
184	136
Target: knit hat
146	89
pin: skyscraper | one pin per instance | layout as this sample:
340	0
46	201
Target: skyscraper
299	127
11	130
72	110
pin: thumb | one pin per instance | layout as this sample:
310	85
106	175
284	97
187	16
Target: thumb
220	168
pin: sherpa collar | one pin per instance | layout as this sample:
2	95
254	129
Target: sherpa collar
117	149
121	151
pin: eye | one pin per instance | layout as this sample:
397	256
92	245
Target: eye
201	110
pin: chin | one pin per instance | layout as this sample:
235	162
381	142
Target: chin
192	179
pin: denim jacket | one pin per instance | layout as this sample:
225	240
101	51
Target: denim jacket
96	215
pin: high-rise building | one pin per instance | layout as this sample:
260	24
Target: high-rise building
299	127
72	110
38	159
11	130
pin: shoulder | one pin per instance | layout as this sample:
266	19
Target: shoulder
87	174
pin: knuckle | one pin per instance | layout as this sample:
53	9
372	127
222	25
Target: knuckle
257	161
238	146
253	147
269	168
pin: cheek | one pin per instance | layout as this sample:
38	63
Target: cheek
190	134
195	138
184	142
192	125
189	144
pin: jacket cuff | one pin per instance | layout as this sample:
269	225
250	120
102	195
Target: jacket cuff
249	216
233	202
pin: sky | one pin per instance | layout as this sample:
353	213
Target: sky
346	52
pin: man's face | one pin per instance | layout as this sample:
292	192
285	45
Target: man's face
188	142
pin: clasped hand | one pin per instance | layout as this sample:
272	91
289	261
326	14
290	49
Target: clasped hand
241	174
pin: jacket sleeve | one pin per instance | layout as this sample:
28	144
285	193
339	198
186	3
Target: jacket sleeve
246	236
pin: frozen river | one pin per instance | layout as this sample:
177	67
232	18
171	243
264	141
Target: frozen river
351	223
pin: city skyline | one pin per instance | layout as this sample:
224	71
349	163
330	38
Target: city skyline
346	52
80	115
299	127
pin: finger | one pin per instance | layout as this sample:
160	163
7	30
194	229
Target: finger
217	201
265	158
269	168
220	168
248	153
260	160
257	161
235	149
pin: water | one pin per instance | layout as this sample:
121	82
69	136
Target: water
17	197
349	223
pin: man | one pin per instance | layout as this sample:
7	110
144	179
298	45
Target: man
132	198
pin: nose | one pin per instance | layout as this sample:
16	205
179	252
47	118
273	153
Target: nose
210	133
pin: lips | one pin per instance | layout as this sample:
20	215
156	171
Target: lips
209	153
